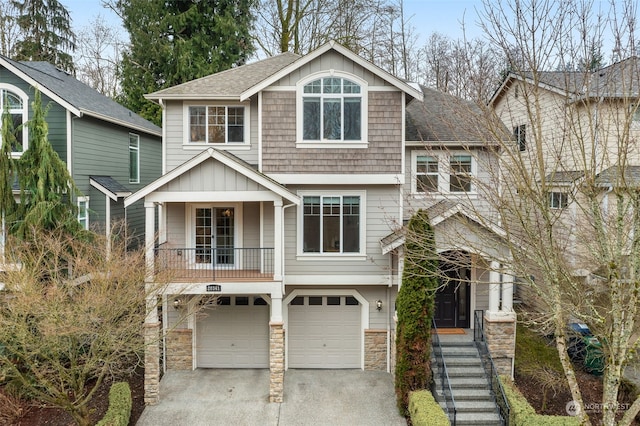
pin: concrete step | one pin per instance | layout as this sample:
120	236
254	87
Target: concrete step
478	419
464	371
458	351
468	383
474	406
471	394
463	361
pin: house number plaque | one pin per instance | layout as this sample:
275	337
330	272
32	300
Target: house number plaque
214	287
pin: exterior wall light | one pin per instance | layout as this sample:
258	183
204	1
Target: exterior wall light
177	304
379	304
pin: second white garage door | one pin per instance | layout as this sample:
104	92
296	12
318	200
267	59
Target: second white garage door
324	332
234	334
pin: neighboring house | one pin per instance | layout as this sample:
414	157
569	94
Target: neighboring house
283	182
570	128
110	151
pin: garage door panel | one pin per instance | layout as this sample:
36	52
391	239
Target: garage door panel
233	337
324	336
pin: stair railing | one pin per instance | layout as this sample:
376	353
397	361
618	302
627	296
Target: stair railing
447	393
490	369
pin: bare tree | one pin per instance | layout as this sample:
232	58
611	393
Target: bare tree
10	31
70	318
567	192
98	55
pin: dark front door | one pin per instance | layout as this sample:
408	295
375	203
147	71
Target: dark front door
453	299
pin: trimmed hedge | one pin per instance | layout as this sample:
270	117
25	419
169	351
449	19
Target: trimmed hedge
425	411
120	403
523	414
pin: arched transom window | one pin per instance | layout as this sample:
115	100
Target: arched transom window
332	110
17	107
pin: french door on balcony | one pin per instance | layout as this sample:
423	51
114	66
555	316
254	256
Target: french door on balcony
215	236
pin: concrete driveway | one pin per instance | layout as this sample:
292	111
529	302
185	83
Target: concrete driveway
240	397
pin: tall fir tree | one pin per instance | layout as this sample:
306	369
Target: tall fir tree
47	33
46	186
175	41
415	309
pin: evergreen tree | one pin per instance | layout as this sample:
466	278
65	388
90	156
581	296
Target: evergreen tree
48	36
46	186
415	308
7	170
176	41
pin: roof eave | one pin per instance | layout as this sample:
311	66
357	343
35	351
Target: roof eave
121	123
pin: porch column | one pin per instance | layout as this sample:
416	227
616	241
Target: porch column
278	246
507	292
276	360
494	287
150	239
500	321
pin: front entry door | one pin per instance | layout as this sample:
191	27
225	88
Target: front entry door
215	230
453	300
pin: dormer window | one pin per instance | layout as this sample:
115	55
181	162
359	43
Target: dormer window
12	100
332	112
216	124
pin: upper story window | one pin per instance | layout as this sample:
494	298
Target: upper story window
427	173
216	124
332	224
558	200
15	101
460	173
520	136
134	158
332	110
442	172
634	109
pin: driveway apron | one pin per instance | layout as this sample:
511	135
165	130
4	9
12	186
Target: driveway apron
240	397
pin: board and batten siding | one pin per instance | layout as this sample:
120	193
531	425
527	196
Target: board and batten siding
382	155
381	211
102	149
177	147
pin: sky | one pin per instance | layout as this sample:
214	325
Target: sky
427	16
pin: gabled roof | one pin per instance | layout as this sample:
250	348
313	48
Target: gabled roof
621	79
441	117
564	177
245	81
109	186
438	213
76	96
225	158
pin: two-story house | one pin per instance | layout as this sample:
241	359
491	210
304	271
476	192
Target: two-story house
110	151
574	136
283	181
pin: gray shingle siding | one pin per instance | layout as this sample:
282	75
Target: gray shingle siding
383	154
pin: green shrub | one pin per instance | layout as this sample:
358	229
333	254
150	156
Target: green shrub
523	414
425	411
119	406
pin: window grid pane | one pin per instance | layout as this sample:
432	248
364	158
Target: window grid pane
197	124
236	124
426	174
460	177
331	224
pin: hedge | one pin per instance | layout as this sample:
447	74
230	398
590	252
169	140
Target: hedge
523	414
120	403
425	411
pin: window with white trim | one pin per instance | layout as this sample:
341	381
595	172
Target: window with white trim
520	136
427	173
442	172
558	200
460	173
15	103
332	224
332	109
216	124
83	212
134	158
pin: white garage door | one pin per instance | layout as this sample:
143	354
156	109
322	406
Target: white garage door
234	334
324	332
